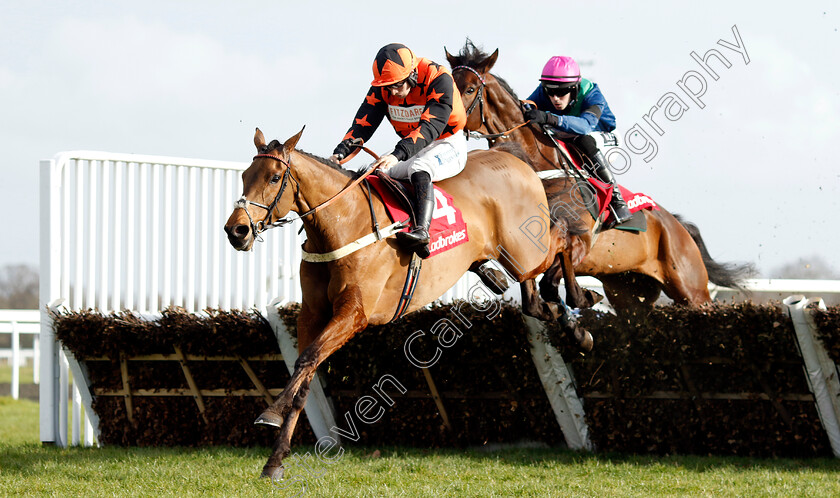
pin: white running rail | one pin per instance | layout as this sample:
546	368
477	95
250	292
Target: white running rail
15	323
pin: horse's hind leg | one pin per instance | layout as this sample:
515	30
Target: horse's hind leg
684	289
686	277
493	279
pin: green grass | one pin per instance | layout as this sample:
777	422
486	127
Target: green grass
28	468
6	374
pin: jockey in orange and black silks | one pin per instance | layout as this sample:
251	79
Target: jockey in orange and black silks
431	110
421	101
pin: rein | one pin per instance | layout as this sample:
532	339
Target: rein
265	224
480	101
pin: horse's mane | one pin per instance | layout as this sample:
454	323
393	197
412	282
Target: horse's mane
504	84
276	144
470	55
474	57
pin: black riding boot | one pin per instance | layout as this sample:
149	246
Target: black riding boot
424	204
622	213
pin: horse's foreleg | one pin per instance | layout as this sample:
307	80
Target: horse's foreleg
531	303
576	296
273	468
550	280
561	269
348	319
533	306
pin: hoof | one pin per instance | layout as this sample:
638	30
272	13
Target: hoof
591	297
273	473
584	339
269	419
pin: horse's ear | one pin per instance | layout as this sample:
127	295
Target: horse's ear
490	62
259	139
453	61
289	146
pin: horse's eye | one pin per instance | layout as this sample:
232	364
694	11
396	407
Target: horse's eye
275	178
470	90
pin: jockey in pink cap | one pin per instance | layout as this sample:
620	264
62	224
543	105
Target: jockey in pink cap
575	110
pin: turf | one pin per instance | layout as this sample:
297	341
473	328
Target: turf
28	468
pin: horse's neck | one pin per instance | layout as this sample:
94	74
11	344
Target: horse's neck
338	224
503	113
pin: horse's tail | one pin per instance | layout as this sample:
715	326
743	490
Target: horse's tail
730	275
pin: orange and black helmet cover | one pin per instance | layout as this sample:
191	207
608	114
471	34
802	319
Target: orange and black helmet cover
394	63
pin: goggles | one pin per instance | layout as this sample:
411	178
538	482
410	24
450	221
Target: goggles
557	90
396	86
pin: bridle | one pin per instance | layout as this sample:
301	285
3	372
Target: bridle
479	99
266	223
262	225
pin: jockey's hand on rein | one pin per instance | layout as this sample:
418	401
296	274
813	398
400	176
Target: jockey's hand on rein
341	151
539	117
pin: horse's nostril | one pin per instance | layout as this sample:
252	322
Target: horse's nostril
241	231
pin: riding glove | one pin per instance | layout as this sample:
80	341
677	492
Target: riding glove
342	149
539	117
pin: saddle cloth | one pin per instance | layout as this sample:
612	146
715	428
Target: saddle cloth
636	201
447	229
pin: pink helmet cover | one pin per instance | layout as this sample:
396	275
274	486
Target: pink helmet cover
561	69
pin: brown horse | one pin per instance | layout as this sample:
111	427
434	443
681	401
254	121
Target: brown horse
497	193
634	267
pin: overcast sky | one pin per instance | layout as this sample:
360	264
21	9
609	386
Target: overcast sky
755	168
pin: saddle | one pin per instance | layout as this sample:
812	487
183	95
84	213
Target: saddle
400	193
448	228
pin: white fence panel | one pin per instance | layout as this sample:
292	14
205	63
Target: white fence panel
145	232
136	232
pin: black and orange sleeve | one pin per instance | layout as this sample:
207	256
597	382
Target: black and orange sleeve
367	119
433	121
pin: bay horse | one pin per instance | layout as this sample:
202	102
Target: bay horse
496	193
635	267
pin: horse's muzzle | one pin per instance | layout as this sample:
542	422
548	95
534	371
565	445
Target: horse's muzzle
240	236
